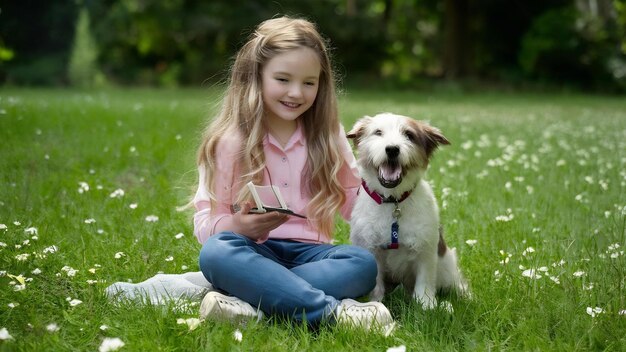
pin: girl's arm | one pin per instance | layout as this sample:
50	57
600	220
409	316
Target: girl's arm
209	221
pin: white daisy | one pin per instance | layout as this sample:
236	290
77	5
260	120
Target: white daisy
111	344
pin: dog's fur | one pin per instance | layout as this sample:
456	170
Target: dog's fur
393	155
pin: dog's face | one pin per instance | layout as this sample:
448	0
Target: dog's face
393	149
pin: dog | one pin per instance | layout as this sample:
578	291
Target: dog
395	215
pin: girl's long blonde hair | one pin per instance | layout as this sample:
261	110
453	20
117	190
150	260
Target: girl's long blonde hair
242	113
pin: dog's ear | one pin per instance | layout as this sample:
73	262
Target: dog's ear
433	139
358	129
428	137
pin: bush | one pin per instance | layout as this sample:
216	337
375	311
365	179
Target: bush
565	45
83	71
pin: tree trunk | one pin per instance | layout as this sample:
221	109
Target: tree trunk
351	8
456	47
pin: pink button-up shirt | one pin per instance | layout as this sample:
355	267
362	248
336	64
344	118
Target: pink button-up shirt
285	166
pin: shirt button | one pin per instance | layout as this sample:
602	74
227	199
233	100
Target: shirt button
284	160
285	184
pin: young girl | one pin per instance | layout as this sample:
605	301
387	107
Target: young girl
278	125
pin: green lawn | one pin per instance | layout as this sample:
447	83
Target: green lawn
532	192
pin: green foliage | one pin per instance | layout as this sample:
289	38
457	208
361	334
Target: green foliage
617	64
536	180
40	38
567	45
413	33
45	71
552	37
83	71
400	42
160	43
6	54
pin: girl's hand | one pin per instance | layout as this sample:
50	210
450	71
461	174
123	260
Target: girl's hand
256	226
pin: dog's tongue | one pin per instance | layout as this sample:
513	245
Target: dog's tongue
390	172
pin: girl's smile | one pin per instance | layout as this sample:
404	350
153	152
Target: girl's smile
291	105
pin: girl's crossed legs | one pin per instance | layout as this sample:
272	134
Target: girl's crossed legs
288	278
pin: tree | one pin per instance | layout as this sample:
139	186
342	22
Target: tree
83	71
456	54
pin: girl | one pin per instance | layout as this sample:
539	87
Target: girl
278	125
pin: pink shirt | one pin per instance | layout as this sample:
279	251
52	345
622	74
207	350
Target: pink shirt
286	166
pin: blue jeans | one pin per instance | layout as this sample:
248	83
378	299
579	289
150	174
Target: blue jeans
302	281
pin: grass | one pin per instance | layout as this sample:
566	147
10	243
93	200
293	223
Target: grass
532	193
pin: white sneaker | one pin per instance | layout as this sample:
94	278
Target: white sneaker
368	316
219	306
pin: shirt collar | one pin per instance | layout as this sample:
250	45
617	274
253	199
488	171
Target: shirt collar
296	138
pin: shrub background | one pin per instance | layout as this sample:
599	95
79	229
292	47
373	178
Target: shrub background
576	44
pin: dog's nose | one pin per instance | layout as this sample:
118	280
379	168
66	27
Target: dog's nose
392	151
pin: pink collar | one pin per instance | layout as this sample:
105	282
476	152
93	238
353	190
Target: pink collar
297	137
379	199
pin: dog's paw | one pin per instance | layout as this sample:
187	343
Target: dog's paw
446	306
465	292
377	293
427	301
461	288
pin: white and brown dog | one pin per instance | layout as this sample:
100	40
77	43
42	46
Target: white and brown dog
396	215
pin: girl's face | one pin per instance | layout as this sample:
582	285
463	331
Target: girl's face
290	81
